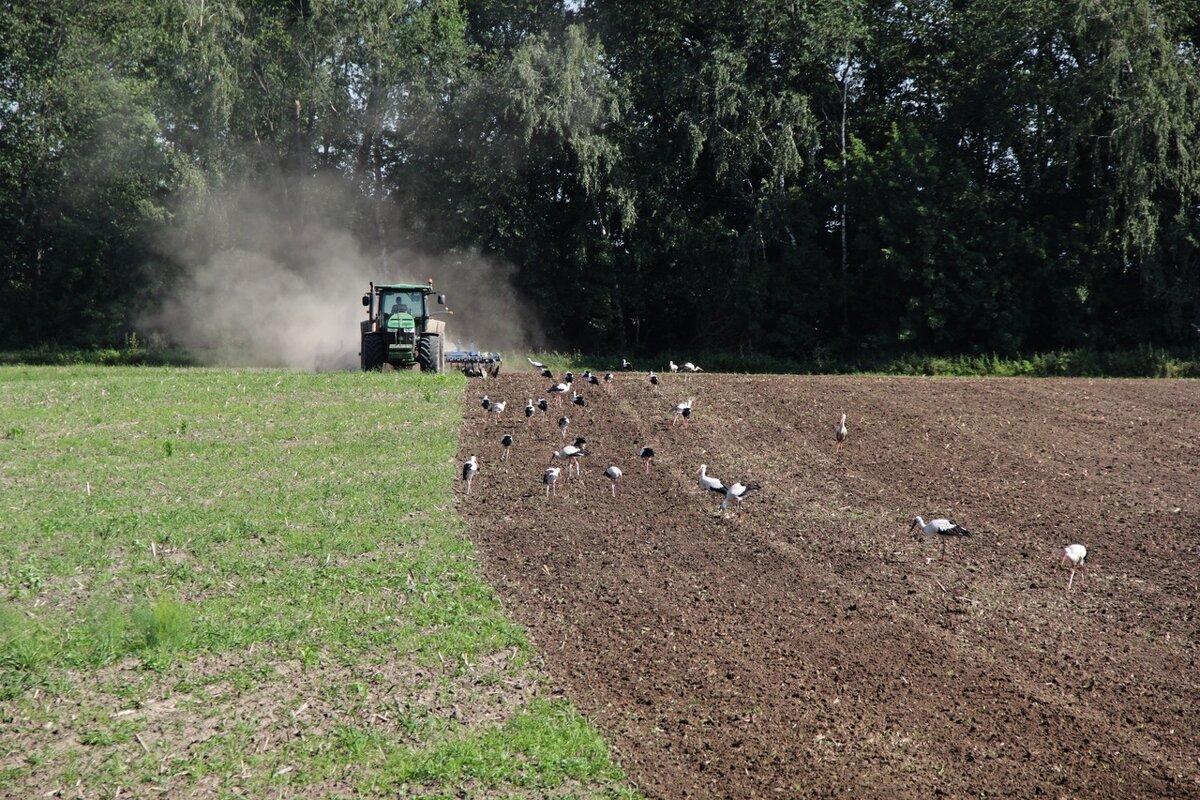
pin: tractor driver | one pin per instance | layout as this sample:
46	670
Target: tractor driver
399	307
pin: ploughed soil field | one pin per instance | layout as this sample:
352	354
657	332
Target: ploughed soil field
810	646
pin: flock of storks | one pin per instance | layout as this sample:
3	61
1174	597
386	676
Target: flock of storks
1074	555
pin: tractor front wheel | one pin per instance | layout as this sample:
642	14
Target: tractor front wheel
429	353
373	352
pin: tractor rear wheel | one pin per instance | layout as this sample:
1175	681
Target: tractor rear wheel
429	353
373	352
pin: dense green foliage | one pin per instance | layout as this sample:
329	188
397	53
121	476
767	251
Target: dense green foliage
775	176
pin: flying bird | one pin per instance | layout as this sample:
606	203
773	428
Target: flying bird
1076	554
613	474
738	492
550	478
505	442
944	529
682	411
469	468
840	434
535	364
647	456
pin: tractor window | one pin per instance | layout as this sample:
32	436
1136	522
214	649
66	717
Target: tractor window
402	303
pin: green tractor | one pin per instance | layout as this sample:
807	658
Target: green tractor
400	329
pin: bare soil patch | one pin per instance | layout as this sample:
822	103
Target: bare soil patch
807	648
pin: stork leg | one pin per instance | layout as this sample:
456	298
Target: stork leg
614	488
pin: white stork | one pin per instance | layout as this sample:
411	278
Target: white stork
738	492
497	408
547	373
469	468
558	390
690	367
944	529
487	405
608	378
571	454
543	406
626	365
563	424
529	408
593	380
505	442
1076	555
709	482
535	364
839	433
647	456
550	478
673	367
578	399
653	378
682	411
613	474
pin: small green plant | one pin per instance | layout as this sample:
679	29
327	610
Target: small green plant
96	737
24	655
165	625
104	635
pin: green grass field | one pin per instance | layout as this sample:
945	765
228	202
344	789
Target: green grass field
254	583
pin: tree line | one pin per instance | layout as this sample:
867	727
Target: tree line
759	176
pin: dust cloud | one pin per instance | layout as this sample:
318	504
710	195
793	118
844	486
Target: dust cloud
260	288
